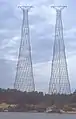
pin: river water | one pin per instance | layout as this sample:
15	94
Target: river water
35	116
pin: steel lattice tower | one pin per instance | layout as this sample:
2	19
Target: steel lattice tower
24	80
59	82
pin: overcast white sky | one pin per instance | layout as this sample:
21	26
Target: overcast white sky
42	22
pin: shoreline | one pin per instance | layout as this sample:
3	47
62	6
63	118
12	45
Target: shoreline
71	112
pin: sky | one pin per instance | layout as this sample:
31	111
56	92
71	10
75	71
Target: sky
42	24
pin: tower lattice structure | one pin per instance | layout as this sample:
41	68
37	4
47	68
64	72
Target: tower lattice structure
59	81
24	80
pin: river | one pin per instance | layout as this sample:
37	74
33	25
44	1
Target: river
35	116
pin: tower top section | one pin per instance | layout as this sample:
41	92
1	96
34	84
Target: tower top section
26	8
59	8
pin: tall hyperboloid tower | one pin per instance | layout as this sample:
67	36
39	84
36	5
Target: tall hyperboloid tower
24	80
59	81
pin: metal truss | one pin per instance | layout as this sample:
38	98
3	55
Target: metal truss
59	81
24	80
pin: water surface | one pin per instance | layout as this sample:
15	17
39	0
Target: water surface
14	115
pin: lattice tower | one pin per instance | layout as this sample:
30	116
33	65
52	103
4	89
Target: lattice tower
59	81
24	80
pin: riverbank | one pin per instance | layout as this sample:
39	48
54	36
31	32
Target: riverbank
36	109
16	101
68	112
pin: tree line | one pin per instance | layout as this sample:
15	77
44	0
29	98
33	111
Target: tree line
12	96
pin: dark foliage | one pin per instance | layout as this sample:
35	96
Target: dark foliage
12	96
